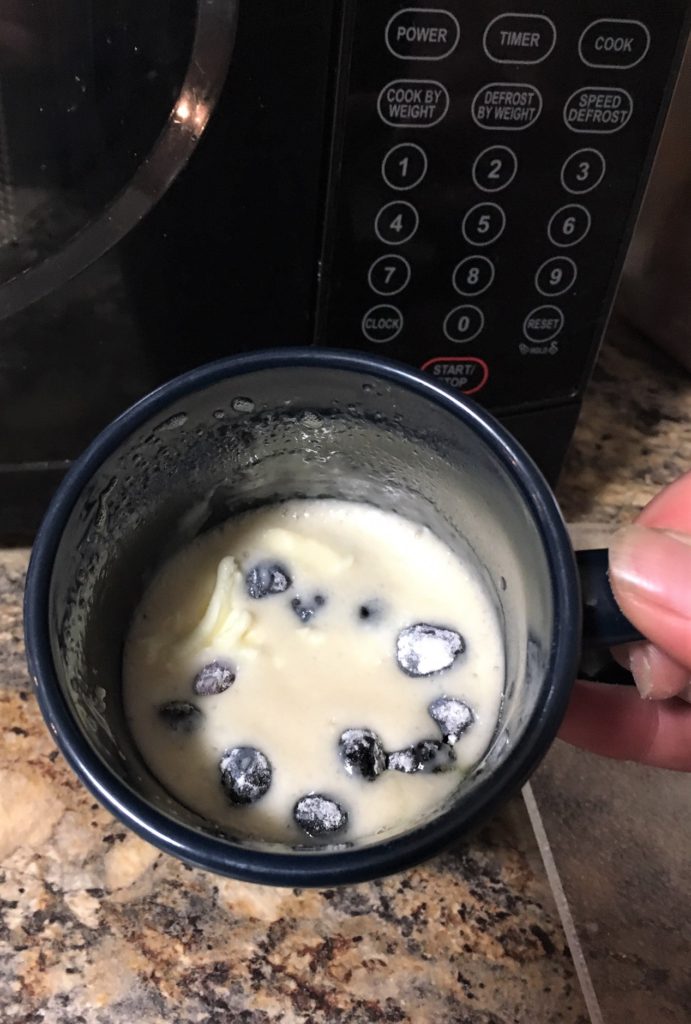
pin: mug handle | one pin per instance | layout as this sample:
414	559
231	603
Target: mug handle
604	625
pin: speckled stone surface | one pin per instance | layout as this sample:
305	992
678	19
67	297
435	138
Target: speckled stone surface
96	927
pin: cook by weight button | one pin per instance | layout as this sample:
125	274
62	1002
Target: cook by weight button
413	103
569	225
463	323
404	166
543	323
473	275
556	276
483	224
495	168
519	38
600	109
396	222
462	373
506	106
616	43
583	171
389	274
422	33
382	323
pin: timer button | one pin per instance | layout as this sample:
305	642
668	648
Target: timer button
616	43
519	38
382	323
422	33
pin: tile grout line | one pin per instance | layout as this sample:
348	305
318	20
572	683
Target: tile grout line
563	908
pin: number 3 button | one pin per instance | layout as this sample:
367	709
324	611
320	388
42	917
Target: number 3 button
396	223
389	274
569	225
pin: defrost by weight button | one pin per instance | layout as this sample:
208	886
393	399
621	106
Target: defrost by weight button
506	106
396	222
389	274
615	43
413	103
515	38
382	323
422	33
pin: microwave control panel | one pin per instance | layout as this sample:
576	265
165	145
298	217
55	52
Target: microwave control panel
491	165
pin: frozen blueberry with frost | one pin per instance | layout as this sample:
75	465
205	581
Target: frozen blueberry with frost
180	716
216	677
454	717
245	774
425	756
306	608
267	578
362	753
319	815
422	649
370	611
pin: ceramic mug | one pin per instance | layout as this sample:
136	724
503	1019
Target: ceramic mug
269	426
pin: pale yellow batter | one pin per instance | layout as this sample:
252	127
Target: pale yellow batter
316	656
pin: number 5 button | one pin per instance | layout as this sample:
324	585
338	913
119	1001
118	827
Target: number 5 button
389	274
396	222
569	225
483	224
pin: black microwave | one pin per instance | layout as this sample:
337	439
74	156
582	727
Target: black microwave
451	186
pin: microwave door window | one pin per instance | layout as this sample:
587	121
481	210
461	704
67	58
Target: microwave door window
102	103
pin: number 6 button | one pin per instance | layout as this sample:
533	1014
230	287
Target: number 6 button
569	225
396	222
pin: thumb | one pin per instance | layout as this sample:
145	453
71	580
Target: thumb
650	574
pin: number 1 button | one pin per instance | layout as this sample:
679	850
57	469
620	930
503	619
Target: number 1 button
404	166
389	275
396	223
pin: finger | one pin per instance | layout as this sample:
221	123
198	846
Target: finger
650	573
614	722
671	508
657	676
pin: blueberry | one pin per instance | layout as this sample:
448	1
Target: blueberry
307	609
245	774
425	756
370	611
422	650
454	717
317	815
362	753
181	716
267	578
216	677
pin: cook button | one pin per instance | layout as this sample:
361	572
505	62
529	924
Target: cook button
614	43
543	323
422	33
519	38
467	374
382	323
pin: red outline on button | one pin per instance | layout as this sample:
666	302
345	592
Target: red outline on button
461	359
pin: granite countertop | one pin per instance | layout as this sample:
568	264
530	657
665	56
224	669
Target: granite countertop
97	927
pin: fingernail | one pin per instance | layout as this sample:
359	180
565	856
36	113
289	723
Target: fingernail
640	667
654	566
686	693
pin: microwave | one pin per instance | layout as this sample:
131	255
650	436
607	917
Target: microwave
451	186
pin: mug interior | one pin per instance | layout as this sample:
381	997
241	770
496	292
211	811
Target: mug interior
270	434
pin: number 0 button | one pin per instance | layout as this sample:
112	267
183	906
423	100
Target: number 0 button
396	222
583	171
473	275
404	166
464	323
389	274
483	224
495	168
569	225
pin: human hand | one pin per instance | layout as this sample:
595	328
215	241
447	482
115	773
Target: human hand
650	573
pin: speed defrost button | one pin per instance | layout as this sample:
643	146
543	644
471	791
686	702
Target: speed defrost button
601	109
422	33
382	323
519	38
616	43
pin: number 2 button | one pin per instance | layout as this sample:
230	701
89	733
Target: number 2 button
396	223
495	168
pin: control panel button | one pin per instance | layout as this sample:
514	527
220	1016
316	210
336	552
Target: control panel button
396	222
495	168
569	225
556	276
413	103
422	33
469	374
483	224
614	43
473	275
389	274
543	323
519	38
463	323
583	171
382	323
601	109
404	166
506	106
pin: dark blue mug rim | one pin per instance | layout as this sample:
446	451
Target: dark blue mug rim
312	868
